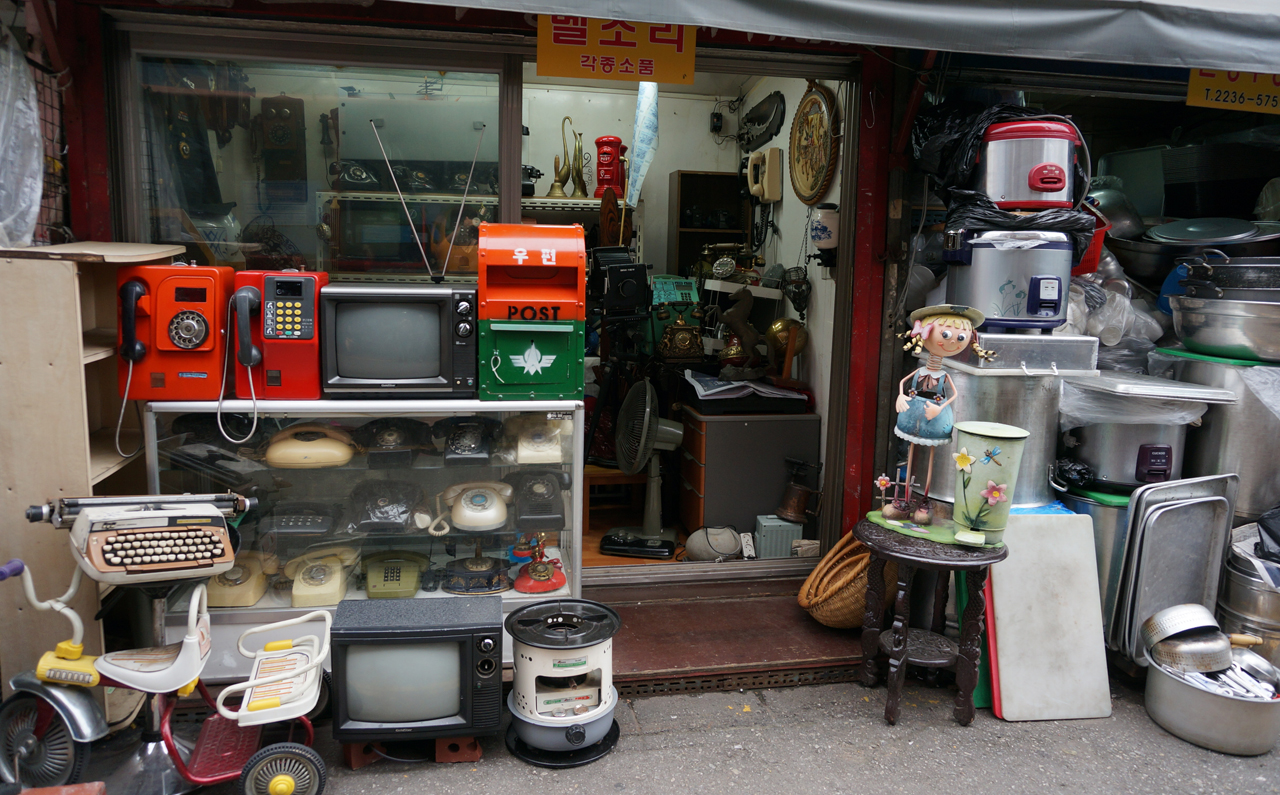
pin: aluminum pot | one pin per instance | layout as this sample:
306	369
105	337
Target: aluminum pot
1229	329
1131	455
1149	262
1110	540
1229	724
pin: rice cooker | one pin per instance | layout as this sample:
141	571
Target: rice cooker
1018	279
1028	165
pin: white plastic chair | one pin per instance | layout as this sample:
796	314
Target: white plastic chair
285	682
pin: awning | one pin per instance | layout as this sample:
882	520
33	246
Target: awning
1226	34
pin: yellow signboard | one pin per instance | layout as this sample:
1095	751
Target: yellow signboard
611	49
1219	88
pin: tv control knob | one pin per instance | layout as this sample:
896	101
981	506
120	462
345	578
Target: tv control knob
463	307
575	734
487	645
463	329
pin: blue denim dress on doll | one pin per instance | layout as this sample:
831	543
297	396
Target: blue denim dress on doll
912	425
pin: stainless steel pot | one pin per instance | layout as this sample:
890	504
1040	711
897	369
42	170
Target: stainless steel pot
1131	455
1110	540
1229	724
1149	262
1239	437
1213	274
1229	329
1246	603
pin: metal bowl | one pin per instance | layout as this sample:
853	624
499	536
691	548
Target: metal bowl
1204	651
1149	262
1230	329
1174	620
1229	724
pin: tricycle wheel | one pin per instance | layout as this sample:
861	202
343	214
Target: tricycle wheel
324	703
283	769
33	734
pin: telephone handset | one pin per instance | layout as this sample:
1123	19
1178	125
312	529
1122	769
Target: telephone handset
396	574
310	445
245	582
478	507
764	174
538	500
468	440
320	576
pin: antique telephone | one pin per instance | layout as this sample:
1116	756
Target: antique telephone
680	341
384	506
764	175
350	175
320	576
283	148
413	180
539	504
301	518
540	575
391	442
310	445
476	507
537	440
396	574
245	582
468	440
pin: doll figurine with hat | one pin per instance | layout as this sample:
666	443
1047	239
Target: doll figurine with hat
927	396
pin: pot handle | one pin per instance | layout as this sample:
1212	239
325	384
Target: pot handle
1053	369
1057	485
1195	285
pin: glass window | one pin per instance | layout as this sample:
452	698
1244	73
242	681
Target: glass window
268	166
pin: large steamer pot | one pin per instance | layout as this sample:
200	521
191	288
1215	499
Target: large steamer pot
1246	603
1229	724
1023	401
1239	437
1115	452
1228	329
1110	540
1150	262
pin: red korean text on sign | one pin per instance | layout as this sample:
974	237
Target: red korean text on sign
571	31
618	27
626	67
646	66
667	34
607	63
588	62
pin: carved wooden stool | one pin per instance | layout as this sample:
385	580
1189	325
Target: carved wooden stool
926	648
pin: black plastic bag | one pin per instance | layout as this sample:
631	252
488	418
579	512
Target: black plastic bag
1268	546
974	211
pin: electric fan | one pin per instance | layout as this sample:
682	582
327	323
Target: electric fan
640	434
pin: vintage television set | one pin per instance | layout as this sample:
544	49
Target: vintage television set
411	669
398	340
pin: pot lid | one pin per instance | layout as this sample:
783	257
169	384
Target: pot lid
995	430
1203	230
1034	236
563	624
1146	386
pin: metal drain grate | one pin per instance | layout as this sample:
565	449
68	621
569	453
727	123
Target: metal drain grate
761	680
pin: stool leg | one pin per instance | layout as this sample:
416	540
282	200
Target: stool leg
939	626
872	620
970	647
898	654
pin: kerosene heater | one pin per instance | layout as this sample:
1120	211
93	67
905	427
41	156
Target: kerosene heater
562	697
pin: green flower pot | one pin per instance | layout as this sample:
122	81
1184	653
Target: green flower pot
987	459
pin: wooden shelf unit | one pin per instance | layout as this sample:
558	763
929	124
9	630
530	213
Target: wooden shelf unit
708	193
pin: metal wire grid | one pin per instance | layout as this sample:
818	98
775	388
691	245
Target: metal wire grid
51	226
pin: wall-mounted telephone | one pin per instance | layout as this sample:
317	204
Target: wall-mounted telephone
320	576
391	442
478	507
396	574
310	445
277	334
172	331
384	506
284	148
468	440
764	174
539	504
245	582
350	175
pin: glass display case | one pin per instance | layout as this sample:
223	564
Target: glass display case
369	499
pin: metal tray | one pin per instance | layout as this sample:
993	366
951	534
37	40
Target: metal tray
1146	386
1041	353
1179	561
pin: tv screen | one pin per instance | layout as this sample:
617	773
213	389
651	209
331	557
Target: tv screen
387	341
404	683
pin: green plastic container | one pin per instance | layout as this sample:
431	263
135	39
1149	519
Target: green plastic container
532	361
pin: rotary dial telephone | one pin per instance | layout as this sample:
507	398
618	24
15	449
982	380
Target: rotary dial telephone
468	440
245	582
476	507
396	574
538	440
310	445
538	500
320	576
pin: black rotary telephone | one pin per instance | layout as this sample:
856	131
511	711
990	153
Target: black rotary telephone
391	442
539	506
350	175
468	440
384	506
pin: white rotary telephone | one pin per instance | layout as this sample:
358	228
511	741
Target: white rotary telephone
476	507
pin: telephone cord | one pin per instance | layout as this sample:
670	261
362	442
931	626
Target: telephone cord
124	402
431	528
222	390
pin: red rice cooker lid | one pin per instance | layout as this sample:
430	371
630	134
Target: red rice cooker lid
1015	130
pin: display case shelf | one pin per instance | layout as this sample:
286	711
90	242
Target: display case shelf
325	196
97	343
104	461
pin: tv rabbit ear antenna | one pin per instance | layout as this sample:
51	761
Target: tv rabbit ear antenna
465	189
416	238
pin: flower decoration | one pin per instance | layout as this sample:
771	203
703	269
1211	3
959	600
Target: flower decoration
883	482
964	461
994	493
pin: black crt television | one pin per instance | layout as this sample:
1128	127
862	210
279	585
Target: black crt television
417	669
388	340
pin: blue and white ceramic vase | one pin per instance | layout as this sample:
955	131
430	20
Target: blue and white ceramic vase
825	226
987	460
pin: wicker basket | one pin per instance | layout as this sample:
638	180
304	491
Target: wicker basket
835	593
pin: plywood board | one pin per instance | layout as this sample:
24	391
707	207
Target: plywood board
1048	617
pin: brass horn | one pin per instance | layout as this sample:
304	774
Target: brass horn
562	172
